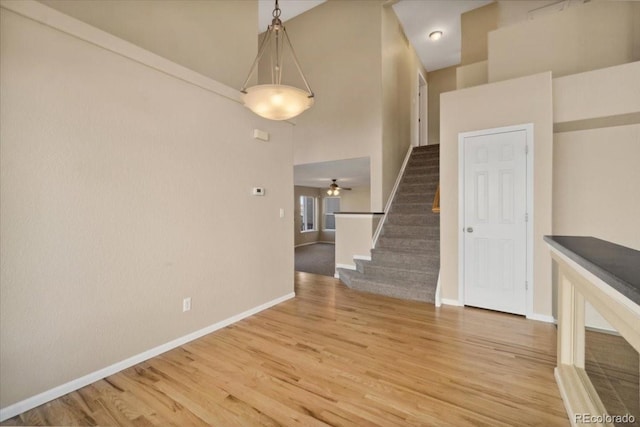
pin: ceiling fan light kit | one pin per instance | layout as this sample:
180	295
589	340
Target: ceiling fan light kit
334	188
276	101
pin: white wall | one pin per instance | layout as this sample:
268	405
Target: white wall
123	190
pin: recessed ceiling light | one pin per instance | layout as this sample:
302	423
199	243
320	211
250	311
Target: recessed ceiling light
435	35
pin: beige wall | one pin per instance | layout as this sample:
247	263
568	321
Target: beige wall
606	92
438	82
125	190
400	68
475	25
594	35
472	75
512	102
356	200
365	77
514	12
214	38
596	181
339	48
595	167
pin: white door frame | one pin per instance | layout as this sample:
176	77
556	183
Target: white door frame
528	128
421	116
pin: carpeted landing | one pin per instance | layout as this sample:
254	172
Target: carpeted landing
318	258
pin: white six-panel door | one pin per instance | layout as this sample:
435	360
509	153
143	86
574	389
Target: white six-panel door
495	228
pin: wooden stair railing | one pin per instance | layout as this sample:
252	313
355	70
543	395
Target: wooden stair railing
436	201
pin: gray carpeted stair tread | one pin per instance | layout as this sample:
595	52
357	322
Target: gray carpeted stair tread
379	253
403	243
413	198
426	148
413	186
411	207
411	231
412	219
411	170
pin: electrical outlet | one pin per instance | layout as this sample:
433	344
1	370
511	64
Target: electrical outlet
186	304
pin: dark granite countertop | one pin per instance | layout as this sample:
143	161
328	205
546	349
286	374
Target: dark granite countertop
616	265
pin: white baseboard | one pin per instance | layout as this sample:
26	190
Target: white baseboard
455	302
305	244
347	266
438	296
336	275
362	257
313	243
541	318
44	397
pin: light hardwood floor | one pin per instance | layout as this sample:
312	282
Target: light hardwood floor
339	357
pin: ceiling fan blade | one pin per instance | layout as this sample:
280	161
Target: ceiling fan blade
345	188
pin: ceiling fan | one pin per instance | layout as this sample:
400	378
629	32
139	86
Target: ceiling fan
334	188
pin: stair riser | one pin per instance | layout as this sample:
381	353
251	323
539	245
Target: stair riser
420	179
409	187
412	208
360	263
426	253
400	277
428	160
411	231
413	219
424	264
424	161
344	277
408	245
424	295
429	172
434	167
435	148
413	198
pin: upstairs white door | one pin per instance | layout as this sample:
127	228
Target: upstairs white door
495	229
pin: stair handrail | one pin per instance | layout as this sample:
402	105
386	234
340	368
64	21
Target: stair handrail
374	240
436	201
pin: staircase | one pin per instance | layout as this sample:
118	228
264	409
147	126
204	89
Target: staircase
406	260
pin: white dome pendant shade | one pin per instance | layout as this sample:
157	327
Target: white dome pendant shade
276	101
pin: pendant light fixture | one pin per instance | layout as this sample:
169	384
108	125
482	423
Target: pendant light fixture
276	101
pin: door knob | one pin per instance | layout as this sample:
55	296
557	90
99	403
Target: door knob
469	229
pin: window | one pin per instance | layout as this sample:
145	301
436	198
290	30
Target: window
331	206
308	213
